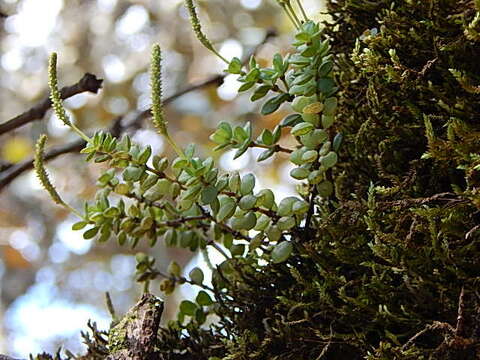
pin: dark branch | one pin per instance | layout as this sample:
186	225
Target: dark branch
311	210
88	83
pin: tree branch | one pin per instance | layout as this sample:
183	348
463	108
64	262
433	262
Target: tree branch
88	83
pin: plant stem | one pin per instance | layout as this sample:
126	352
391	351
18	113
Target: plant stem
80	133
289	15
174	145
299	2
299	22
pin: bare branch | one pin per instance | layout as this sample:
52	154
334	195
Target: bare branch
460	328
88	83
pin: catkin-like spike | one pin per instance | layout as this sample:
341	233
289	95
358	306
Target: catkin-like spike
157	106
42	172
55	96
156	84
197	29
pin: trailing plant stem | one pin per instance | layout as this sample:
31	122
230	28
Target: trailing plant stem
292	19
299	2
299	22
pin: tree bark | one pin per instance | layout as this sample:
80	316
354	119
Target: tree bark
135	336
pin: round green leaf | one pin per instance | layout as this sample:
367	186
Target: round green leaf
301	101
196	275
282	251
122	189
174	269
330	106
209	194
309	156
296	155
315	176
314	108
132	173
285	206
327	121
314	138
325	189
329	160
301	129
286	222
266	198
299	173
203	299
337	141
247	184
79	225
89	234
262	222
227	208
291	120
188	308
247	202
234	182
300	207
235	66
313	119
246	222
274	233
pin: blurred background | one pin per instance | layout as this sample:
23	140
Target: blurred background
51	279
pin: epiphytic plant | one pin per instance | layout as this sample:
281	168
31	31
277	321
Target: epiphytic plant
187	201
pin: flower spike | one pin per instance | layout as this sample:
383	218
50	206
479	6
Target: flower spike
56	97
197	28
42	175
157	106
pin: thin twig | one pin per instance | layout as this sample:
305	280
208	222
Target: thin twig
436	325
110	307
327	346
88	83
311	210
471	231
460	328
